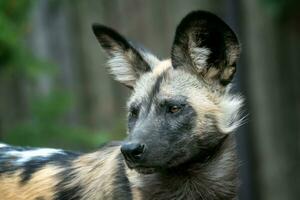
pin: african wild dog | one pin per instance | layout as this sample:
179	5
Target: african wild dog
181	119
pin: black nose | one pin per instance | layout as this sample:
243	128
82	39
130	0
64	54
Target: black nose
132	151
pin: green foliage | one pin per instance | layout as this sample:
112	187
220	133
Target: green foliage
47	127
46	124
13	15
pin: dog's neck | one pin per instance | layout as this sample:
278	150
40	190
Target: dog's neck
216	178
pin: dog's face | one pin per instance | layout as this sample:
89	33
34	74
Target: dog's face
180	109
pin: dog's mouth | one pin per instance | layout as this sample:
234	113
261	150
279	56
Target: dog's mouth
145	170
142	169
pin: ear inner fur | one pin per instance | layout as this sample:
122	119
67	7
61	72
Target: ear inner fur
126	62
206	45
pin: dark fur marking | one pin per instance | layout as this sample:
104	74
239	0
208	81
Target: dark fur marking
121	182
40	198
7	163
210	147
63	191
154	90
31	166
107	37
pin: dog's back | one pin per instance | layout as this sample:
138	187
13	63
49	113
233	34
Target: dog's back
31	173
48	174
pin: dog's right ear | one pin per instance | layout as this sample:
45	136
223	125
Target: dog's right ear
126	62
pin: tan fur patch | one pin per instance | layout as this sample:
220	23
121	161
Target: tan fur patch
41	185
136	183
97	172
162	66
228	72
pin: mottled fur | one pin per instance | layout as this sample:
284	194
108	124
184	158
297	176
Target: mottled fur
181	110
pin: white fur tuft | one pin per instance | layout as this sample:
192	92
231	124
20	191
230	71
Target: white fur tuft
3	145
24	156
121	69
231	114
199	56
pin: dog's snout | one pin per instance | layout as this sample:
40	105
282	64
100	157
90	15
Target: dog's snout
133	151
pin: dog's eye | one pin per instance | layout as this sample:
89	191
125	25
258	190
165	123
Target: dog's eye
174	109
134	112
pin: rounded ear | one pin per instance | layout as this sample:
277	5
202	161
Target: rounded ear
126	62
206	45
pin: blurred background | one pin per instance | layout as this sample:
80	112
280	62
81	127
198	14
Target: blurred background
55	91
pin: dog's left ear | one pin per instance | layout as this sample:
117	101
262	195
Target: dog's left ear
206	45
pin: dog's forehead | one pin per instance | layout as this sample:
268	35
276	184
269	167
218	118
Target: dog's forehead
162	67
167	82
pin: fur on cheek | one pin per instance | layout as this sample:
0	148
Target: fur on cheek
231	116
